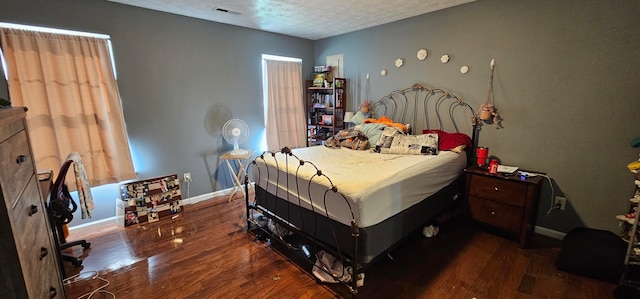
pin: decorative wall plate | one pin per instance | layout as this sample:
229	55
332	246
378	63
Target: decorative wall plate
464	69
422	54
383	72
444	58
399	62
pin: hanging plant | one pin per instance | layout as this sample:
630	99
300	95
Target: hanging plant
488	112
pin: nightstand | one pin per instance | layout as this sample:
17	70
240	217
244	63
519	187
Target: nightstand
507	203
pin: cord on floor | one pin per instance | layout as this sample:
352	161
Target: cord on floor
75	278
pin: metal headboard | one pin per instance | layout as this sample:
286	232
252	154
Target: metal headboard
427	108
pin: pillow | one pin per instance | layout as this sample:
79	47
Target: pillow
455	142
387	136
425	144
358	118
458	149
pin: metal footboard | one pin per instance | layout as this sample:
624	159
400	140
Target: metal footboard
275	200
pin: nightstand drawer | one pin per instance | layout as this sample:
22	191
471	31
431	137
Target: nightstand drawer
496	214
511	193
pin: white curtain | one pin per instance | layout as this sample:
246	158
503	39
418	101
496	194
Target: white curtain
68	85
285	124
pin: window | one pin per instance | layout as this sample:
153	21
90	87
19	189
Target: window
283	104
67	81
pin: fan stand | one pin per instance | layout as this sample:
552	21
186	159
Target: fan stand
237	151
238	176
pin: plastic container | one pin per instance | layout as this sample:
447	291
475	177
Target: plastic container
482	153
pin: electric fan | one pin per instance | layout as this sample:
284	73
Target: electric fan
236	131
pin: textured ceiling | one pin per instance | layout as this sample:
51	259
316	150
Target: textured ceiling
302	18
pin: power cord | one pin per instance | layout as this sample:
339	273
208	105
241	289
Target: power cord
75	278
188	183
553	196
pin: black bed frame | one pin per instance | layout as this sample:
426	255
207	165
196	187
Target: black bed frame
311	231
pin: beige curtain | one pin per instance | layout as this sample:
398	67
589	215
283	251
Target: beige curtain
68	85
285	107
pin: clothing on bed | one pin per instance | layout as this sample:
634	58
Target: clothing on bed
451	141
387	121
372	131
372	128
359	118
349	138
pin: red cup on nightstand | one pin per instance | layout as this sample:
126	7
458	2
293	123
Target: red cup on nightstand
482	153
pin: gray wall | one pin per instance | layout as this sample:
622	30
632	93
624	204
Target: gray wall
179	78
566	83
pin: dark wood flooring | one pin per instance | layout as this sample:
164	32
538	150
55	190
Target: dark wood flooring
206	253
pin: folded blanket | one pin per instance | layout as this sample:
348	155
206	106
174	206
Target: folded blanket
349	138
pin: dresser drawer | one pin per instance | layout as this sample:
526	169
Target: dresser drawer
10	127
496	214
508	192
36	251
17	166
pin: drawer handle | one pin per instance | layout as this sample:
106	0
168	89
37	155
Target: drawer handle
43	252
21	159
493	213
52	292
33	210
496	189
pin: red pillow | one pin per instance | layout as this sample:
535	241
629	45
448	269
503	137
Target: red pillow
447	141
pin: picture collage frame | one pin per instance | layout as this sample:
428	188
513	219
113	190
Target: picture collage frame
151	200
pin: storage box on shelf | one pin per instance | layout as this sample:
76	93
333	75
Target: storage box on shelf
325	107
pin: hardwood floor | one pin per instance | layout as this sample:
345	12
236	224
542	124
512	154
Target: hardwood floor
205	253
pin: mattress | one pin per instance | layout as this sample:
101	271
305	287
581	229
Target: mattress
372	187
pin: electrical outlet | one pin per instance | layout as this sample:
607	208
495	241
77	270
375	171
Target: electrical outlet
187	177
560	202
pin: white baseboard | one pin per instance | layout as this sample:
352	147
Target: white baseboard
95	225
89	226
202	197
549	232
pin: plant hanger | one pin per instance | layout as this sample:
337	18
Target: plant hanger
488	112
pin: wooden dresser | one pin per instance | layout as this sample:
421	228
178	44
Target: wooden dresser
30	260
507	203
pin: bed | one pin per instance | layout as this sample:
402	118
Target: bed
356	205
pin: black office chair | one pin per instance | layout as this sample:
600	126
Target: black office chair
61	207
